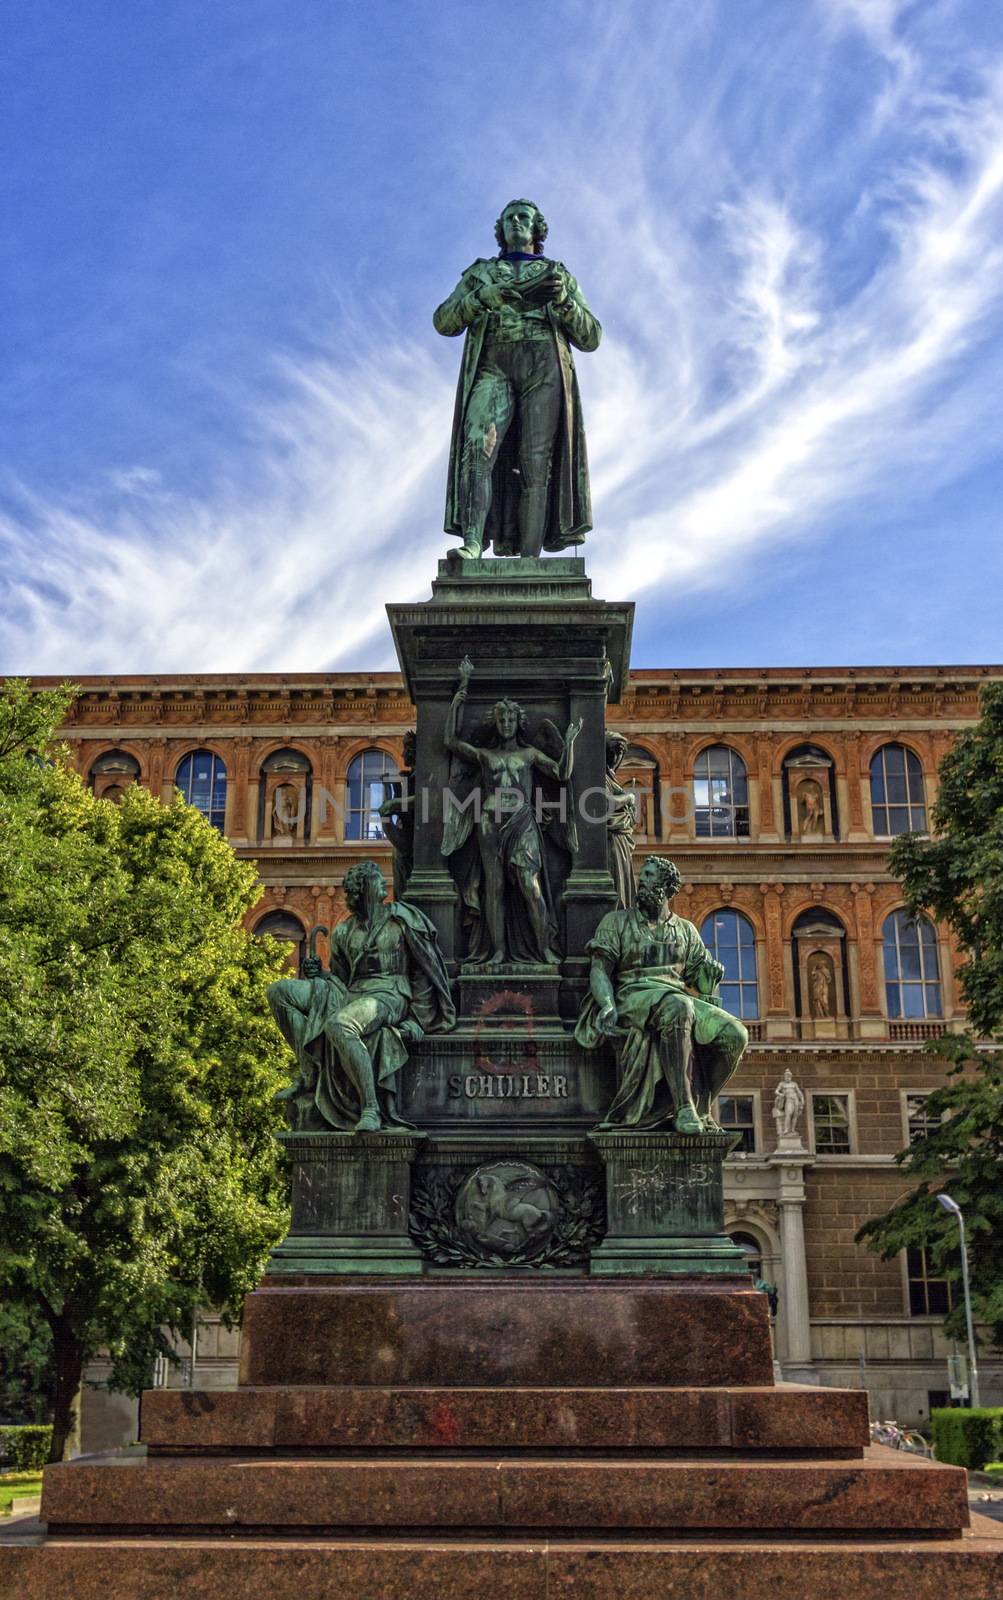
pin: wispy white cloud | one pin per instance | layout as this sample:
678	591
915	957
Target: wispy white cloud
750	389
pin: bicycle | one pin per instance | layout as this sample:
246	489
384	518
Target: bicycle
889	1433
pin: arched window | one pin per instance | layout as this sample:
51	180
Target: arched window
720	794
731	940
912	966
112	774
369	776
898	803
752	1250
281	925
201	777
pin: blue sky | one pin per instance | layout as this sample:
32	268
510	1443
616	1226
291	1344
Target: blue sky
224	413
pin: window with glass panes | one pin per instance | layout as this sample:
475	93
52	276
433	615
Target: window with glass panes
919	1122
201	777
731	939
929	1291
898	802
830	1115
720	794
737	1114
912	966
368	777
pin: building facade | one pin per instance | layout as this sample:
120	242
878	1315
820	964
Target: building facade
778	793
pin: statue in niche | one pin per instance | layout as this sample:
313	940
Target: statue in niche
821	986
503	882
350	1027
518	471
397	816
811	814
788	1105
285	811
646	964
621	820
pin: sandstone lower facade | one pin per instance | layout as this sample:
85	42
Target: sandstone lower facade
778	793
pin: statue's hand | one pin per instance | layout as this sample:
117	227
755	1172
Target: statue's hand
607	1021
715	972
410	1030
550	289
574	729
492	297
313	967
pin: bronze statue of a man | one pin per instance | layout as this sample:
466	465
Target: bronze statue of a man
646	961
350	1027
518	471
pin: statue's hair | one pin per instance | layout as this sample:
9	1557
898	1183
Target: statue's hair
615	741
358	876
540	228
410	742
669	876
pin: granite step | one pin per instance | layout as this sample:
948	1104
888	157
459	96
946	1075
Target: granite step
789	1418
367	1569
886	1492
508	1332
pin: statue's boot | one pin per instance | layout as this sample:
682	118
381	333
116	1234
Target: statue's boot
469	550
676	1042
355	1059
532	520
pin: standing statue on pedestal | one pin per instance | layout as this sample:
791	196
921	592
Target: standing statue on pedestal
504	883
643	963
518	471
621	820
788	1104
350	1027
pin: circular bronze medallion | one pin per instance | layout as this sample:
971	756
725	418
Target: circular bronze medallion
508	1208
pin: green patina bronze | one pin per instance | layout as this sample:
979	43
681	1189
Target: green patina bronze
351	1027
518	469
645	963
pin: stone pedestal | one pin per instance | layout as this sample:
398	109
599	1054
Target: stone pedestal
665	1205
351	1203
534	633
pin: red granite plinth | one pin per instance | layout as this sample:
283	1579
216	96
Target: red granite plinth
298	1569
887	1492
508	1332
456	1438
790	1418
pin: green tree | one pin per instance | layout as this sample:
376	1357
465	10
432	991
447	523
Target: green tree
957	876
139	1173
26	1369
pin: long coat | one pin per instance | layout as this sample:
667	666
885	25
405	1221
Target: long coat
570	505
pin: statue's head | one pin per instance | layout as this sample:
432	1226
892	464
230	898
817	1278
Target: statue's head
410	743
508	717
658	880
364	885
521	226
616	749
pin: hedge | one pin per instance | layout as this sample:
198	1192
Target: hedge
25	1449
966	1437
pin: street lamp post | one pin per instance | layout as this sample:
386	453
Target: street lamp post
955	1210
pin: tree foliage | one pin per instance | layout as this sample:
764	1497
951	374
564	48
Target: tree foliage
139	1173
957	877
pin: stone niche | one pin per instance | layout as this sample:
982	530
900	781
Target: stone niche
820	963
808	775
284	798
